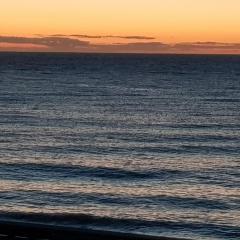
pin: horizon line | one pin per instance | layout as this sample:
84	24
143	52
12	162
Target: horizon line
120	53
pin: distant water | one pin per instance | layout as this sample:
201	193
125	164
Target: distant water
134	143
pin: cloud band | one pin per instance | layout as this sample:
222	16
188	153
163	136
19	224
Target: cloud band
73	44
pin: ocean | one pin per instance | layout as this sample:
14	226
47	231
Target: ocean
131	143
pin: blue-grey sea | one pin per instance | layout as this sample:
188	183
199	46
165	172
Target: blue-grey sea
132	143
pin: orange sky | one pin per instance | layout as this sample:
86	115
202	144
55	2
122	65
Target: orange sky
168	21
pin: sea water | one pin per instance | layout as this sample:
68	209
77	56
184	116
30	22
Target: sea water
131	143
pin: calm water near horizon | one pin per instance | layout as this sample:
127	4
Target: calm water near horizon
133	143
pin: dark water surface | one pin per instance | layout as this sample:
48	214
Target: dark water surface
132	143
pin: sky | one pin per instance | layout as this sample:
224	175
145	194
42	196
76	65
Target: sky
154	26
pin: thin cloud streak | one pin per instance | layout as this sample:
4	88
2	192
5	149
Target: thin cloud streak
69	44
208	45
104	36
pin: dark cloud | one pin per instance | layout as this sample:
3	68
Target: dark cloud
85	36
72	44
51	42
137	47
139	37
131	37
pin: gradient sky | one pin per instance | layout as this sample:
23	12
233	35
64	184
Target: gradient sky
162	21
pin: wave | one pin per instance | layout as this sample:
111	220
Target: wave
223	100
103	150
62	170
67	198
55	171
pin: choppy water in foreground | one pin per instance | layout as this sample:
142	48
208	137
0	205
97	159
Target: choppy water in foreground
132	143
